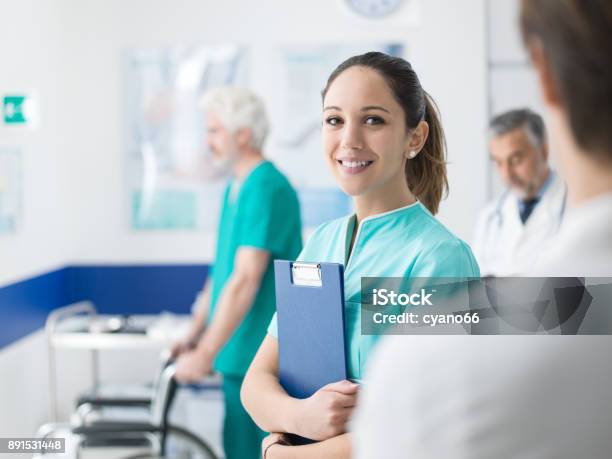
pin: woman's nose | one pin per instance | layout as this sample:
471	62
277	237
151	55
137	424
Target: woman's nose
351	137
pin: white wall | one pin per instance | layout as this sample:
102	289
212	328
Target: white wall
447	49
23	386
29	53
513	82
74	184
449	56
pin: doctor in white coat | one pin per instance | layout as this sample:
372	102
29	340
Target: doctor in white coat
512	231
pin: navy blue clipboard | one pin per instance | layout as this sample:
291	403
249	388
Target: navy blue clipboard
310	314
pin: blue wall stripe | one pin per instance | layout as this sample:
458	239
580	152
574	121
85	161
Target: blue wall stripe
25	305
135	289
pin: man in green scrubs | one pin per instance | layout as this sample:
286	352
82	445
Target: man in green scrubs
260	222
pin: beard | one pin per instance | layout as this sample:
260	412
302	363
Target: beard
524	190
218	168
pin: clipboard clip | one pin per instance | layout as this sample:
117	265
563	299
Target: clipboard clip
306	274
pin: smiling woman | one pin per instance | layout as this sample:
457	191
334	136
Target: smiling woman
384	144
376	111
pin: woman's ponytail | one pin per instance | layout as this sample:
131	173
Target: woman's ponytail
426	173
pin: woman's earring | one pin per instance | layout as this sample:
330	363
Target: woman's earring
412	154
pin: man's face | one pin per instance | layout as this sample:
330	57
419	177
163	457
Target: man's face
220	140
520	164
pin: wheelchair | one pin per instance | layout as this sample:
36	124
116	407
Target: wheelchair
152	437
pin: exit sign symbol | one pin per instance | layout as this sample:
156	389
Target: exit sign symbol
14	109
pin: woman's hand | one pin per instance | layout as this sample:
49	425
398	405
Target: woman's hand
325	413
272	439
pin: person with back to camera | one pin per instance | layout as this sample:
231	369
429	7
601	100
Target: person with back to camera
542	397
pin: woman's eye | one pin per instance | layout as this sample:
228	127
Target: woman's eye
333	121
372	120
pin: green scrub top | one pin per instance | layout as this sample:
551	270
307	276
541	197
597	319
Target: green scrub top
405	242
264	213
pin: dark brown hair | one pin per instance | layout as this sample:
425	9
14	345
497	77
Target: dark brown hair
576	36
426	173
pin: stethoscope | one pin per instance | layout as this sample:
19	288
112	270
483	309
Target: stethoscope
497	214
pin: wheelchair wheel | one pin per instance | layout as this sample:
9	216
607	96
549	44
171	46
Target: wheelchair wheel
181	444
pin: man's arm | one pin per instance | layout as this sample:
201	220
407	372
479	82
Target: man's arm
200	312
198	321
235	301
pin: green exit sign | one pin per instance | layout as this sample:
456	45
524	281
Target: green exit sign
14	109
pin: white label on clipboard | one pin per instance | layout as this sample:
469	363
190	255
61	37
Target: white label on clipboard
306	274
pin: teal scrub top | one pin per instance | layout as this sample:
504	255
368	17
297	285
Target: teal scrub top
264	213
405	242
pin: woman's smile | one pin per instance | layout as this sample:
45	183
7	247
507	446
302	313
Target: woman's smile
353	166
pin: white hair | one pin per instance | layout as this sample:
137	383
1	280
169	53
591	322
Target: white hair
238	108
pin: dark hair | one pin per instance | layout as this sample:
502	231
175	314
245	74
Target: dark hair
576	36
426	173
522	118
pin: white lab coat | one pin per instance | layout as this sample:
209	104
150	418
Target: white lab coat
504	246
583	246
483	397
545	397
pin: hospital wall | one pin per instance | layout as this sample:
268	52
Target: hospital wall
41	242
40	245
74	211
95	34
512	82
